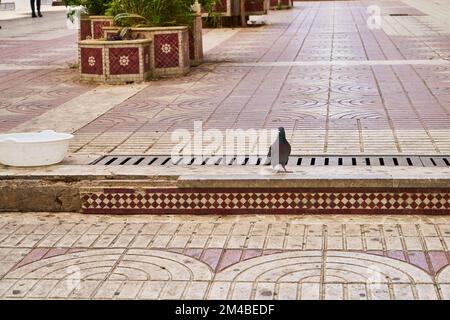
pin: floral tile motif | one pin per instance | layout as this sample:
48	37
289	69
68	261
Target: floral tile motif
123	61
166	50
91	61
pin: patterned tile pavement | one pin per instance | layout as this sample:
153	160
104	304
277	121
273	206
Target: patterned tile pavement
334	84
76	256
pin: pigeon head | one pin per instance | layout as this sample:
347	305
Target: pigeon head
281	133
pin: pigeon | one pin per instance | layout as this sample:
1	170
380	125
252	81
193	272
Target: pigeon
280	150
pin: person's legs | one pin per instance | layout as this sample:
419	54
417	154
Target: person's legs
33	13
38	5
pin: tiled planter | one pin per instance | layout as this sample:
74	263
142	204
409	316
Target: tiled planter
115	62
227	8
98	23
169	47
231	8
280	4
256	7
85	31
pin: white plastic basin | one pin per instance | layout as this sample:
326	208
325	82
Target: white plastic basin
34	148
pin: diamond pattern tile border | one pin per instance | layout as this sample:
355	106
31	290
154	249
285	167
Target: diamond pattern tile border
270	201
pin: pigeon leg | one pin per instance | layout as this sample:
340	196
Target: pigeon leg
285	170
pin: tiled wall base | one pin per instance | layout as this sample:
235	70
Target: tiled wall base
264	201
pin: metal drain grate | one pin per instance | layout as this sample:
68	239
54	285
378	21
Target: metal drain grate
305	161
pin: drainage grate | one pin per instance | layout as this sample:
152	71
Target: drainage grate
305	161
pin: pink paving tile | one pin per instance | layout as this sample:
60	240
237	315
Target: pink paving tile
251	253
438	260
53	252
194	253
34	255
396	254
271	251
229	257
212	257
418	259
176	250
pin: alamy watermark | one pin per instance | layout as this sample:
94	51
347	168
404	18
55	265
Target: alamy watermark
374	19
212	145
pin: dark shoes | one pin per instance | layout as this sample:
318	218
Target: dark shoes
33	15
39	15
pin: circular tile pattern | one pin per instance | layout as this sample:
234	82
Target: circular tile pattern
117	264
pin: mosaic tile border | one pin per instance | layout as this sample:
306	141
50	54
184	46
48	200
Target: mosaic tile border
268	201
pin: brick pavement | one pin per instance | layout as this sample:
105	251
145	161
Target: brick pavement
335	85
247	257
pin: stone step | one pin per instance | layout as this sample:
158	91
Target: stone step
119	190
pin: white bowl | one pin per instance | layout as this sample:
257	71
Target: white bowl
34	148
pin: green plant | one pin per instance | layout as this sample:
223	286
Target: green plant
151	12
212	7
93	7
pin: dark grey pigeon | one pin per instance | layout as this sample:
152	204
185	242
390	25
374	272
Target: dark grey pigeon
280	150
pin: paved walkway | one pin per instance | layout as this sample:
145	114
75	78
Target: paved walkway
337	86
216	257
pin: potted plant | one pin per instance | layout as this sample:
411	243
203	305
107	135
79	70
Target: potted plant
122	58
92	19
166	23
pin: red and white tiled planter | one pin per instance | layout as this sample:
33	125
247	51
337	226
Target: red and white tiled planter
227	8
256	7
91	27
97	25
115	62
169	47
232	8
280	4
85	30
